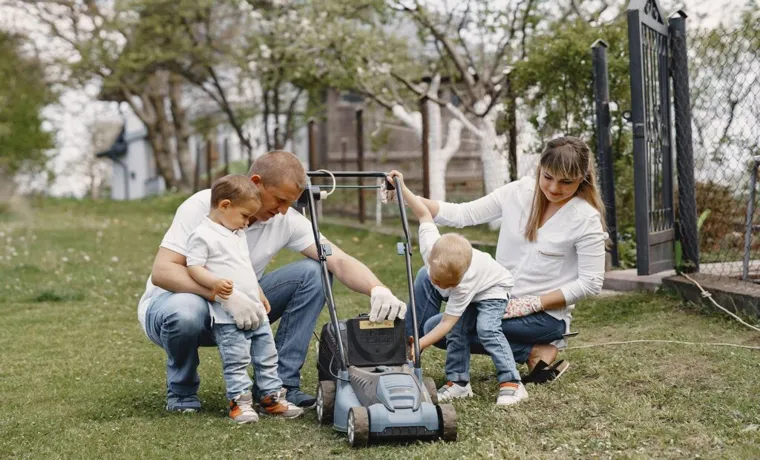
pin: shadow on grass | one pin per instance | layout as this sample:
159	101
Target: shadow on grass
50	295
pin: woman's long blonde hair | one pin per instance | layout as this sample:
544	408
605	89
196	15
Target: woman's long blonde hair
565	157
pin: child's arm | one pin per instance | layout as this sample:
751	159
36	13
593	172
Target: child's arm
197	255
439	332
418	207
219	287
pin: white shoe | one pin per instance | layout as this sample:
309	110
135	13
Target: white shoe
454	391
511	393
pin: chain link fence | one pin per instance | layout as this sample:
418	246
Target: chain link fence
724	79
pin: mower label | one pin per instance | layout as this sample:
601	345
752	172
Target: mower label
387	324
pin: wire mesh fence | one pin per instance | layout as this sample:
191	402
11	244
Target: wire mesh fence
724	79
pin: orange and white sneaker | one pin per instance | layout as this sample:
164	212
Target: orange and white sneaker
276	404
241	409
511	393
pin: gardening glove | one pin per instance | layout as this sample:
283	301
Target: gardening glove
386	195
384	305
523	306
243	309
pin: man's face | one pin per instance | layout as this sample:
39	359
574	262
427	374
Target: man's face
275	199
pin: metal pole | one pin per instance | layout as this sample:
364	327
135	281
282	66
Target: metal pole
343	153
197	178
750	214
425	146
208	163
409	275
226	156
312	145
360	158
604	142
687	199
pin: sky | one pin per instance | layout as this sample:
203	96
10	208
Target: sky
78	109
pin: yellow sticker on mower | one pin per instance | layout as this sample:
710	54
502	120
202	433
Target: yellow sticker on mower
369	325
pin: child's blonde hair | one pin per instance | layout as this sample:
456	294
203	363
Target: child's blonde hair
234	187
450	258
565	157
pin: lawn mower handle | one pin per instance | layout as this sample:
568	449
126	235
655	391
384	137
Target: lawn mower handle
409	275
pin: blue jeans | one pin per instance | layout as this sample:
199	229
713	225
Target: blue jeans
237	349
522	333
180	323
485	317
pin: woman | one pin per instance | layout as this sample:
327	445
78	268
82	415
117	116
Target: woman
552	239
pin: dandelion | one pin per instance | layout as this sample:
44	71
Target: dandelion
107	280
86	258
64	259
70	250
2	234
99	234
114	259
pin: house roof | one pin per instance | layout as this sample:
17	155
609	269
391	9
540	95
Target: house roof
117	148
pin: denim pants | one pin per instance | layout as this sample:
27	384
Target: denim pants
521	333
238	348
180	323
485	316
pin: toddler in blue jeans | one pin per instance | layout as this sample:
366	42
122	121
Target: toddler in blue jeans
478	289
218	259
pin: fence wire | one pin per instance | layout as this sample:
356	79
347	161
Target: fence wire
724	74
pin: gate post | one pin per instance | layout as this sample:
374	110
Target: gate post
604	142
687	192
652	151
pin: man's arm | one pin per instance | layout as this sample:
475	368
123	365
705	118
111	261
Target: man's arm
352	273
170	273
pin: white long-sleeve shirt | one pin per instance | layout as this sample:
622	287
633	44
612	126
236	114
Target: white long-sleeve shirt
568	253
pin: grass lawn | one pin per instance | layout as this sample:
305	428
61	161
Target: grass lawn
78	379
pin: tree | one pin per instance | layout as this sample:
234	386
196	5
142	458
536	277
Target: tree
111	45
24	92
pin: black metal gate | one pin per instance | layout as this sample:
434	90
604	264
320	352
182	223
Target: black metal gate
652	152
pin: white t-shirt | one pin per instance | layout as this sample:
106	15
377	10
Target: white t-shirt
568	253
484	279
265	239
225	254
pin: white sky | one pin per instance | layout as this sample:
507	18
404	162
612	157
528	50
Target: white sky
78	109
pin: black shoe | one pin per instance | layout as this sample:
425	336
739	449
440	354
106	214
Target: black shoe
545	373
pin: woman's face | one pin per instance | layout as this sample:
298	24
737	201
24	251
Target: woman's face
558	189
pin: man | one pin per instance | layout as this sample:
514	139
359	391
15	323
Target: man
174	311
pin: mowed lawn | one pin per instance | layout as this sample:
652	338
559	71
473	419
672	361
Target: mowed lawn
78	379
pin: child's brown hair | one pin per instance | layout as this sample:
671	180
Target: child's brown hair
234	187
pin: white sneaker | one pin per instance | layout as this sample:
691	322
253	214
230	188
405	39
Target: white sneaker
511	393
454	391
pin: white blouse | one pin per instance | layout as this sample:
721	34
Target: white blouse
568	253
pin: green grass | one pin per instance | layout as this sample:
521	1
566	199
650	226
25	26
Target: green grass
78	379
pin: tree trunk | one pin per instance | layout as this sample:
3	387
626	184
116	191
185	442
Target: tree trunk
181	133
495	172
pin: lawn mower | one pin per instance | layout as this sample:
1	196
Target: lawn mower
368	387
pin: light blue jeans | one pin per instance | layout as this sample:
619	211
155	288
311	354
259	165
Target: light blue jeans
521	333
485	317
237	349
180	323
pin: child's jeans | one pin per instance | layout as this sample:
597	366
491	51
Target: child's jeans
486	317
236	347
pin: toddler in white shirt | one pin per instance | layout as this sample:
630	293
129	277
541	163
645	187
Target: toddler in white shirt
218	259
477	288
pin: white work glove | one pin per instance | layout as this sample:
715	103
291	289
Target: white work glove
523	306
386	195
384	305
247	313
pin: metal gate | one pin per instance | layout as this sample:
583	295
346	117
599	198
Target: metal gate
652	152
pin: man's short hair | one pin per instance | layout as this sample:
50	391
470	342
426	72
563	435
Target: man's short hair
234	187
277	167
